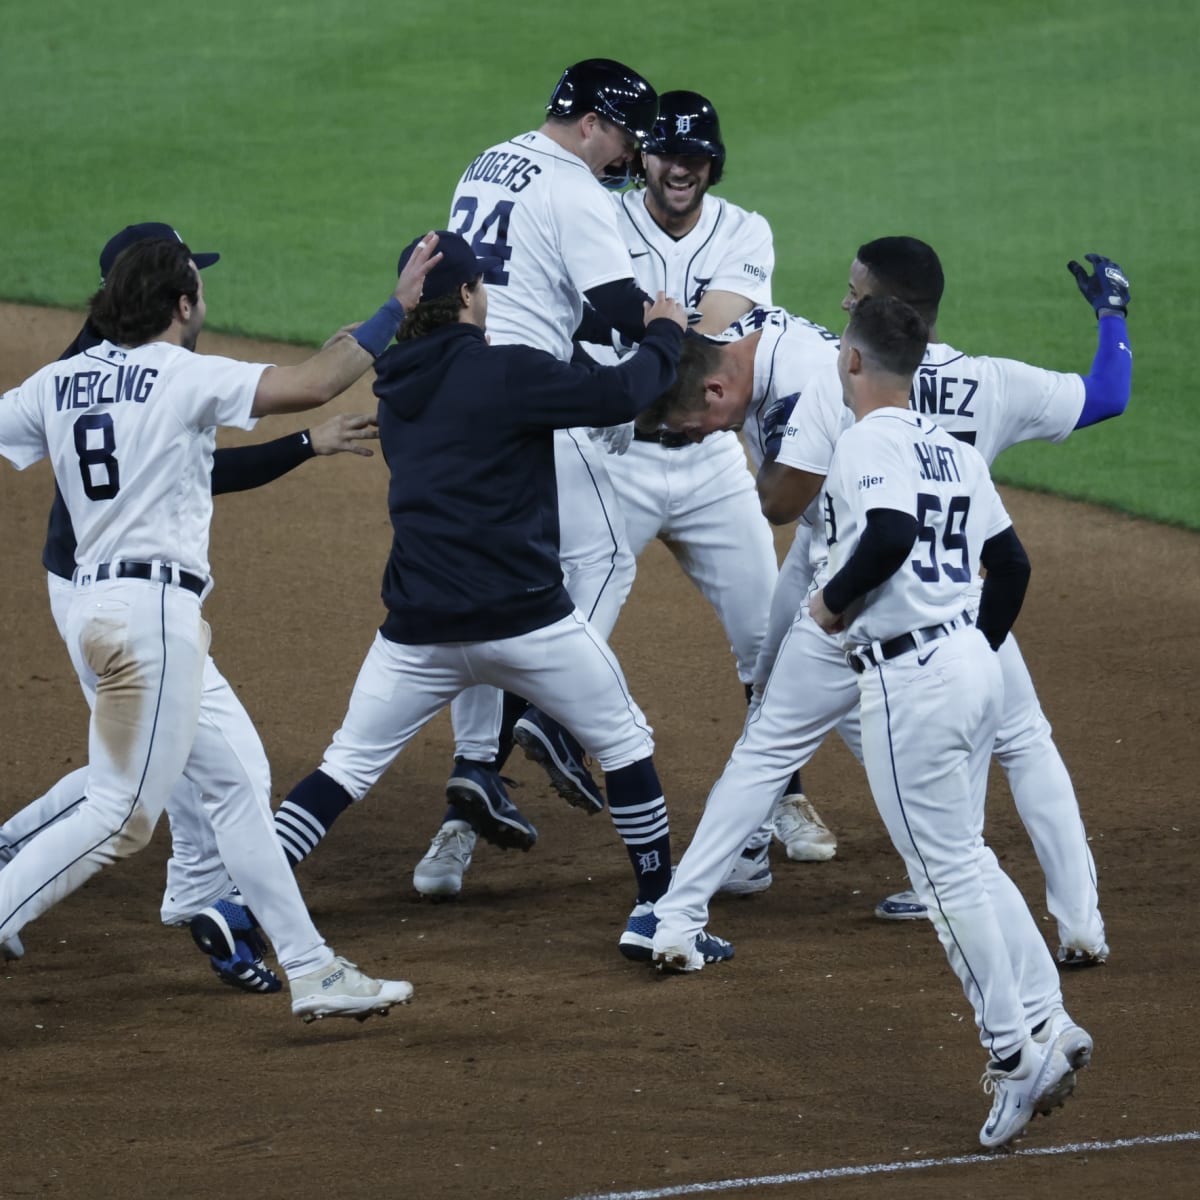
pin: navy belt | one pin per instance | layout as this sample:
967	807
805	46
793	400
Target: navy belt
664	437
156	572
871	656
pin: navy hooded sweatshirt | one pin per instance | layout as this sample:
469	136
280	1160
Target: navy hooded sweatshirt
467	431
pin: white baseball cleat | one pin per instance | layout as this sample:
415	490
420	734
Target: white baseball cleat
750	873
799	827
1083	956
1041	1081
691	956
342	990
1073	1040
439	875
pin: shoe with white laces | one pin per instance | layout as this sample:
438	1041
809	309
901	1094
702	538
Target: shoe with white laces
1073	1040
549	744
691	956
477	790
1083	956
901	906
637	940
799	827
439	874
340	989
1041	1081
750	873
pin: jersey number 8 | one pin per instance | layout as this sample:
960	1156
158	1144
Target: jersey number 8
92	457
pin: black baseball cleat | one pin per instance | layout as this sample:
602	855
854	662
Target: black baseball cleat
552	747
478	791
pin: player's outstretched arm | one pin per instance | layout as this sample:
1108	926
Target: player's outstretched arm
241	468
1107	386
342	360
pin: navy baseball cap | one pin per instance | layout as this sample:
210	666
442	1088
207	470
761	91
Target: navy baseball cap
141	233
460	264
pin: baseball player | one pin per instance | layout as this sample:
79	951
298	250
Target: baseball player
699	497
474	589
196	877
535	203
909	514
810	691
129	427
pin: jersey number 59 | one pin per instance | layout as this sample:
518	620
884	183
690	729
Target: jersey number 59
954	538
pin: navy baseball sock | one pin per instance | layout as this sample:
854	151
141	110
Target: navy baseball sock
304	818
794	786
639	812
514	707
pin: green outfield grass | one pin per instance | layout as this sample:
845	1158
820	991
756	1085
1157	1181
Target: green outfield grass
308	142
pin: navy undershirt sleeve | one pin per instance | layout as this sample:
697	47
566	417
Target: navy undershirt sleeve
886	541
240	468
1007	565
620	303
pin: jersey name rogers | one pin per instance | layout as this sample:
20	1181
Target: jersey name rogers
509	170
131	383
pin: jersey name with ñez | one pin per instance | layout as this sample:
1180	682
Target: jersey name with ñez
539	209
130	434
897	460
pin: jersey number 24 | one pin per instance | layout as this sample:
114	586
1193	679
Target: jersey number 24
491	238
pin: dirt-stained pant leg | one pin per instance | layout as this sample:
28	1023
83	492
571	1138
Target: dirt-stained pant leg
141	648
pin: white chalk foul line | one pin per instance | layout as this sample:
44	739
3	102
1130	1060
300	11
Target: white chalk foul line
923	1164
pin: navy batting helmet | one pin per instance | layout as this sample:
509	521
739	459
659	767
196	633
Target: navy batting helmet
611	90
687	124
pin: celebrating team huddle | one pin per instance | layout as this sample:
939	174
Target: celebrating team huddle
585	339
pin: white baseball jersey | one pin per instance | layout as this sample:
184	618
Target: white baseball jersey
899	460
989	403
791	353
540	209
130	434
728	250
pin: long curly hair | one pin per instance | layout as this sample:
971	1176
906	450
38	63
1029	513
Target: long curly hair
141	291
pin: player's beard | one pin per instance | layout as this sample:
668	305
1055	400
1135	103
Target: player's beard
668	202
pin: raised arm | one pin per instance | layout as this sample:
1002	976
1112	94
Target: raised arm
344	359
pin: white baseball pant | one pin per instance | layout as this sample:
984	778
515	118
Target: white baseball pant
565	668
159	707
927	738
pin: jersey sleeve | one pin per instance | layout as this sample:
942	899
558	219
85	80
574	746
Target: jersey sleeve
817	421
1039	405
747	267
592	249
223	391
22	431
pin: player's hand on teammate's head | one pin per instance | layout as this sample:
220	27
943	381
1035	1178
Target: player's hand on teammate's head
343	333
344	433
668	309
412	279
1107	290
